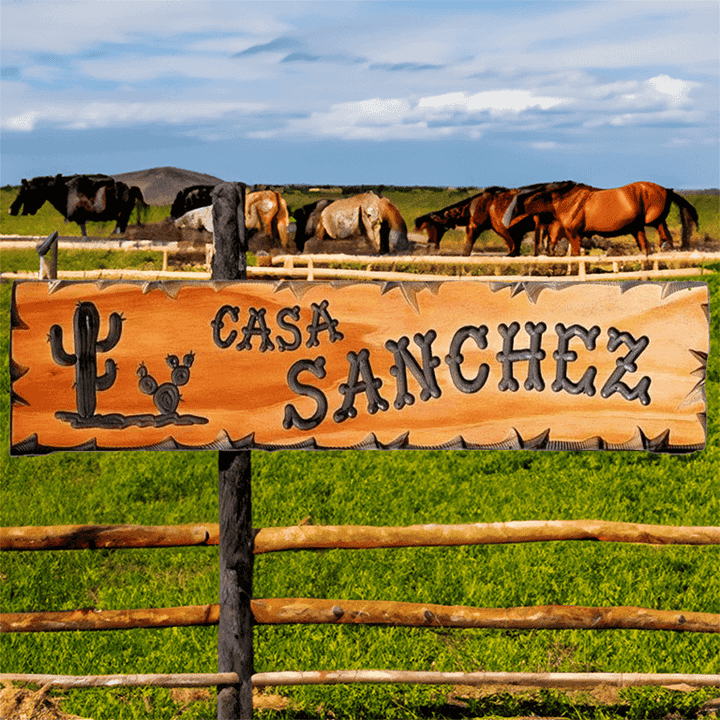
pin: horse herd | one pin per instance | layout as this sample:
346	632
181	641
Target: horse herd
552	211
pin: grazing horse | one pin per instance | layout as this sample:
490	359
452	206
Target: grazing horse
81	198
265	213
306	221
485	211
584	210
191	197
366	215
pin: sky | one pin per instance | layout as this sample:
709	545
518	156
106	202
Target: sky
460	94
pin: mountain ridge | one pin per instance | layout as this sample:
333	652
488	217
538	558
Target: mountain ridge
160	185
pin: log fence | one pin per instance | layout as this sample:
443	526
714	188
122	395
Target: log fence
373	267
238	611
274	611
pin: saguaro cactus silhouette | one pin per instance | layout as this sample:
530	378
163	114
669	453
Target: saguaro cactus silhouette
86	327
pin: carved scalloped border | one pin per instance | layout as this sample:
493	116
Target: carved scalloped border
409	289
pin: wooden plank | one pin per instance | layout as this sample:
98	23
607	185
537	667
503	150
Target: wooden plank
416	365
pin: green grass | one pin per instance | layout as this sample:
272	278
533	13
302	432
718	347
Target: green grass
375	488
412	202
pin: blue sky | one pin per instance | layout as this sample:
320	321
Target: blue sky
409	93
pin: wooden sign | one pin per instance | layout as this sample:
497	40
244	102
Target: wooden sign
180	366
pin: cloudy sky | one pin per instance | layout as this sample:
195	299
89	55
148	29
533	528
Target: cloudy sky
411	93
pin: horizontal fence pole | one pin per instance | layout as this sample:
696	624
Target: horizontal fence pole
324	537
561	680
308	611
172	680
540	617
384	677
84	537
110	619
255	273
484	259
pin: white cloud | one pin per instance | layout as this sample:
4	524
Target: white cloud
494	101
105	114
676	91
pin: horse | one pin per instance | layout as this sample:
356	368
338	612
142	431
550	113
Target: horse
366	215
266	214
485	211
197	219
81	198
306	221
583	210
190	198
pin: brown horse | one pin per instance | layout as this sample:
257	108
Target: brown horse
485	211
267	213
584	210
366	216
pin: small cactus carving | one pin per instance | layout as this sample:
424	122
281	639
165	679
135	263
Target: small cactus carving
166	396
86	327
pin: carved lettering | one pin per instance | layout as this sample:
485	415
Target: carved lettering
322	321
256	325
370	385
425	375
626	364
454	358
292	416
532	355
218	324
294	313
563	355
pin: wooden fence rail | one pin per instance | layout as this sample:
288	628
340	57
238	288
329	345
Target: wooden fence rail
324	537
570	681
308	611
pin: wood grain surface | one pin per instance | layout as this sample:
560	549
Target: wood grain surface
163	365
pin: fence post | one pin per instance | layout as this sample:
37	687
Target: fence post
50	244
235	638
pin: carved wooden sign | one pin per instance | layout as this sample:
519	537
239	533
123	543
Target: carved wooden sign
123	365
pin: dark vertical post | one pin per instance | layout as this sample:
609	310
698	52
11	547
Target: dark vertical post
235	639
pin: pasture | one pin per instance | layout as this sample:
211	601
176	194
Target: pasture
374	488
412	202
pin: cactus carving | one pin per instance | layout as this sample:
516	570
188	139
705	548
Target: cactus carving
86	327
166	396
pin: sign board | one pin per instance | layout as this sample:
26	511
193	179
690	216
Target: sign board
119	365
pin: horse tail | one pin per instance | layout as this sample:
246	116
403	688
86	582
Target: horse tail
688	216
510	212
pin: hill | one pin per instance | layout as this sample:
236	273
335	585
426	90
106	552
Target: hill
159	186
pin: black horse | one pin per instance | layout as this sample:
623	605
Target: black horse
81	198
191	198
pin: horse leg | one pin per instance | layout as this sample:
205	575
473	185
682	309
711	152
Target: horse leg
82	228
574	241
471	235
641	240
666	241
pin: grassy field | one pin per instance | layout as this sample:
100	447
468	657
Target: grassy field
372	488
412	202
